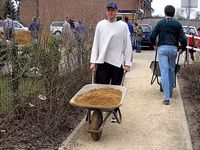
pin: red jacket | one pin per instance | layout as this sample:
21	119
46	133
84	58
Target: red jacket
192	41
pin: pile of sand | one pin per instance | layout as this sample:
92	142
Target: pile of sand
23	37
100	97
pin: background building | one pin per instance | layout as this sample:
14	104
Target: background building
89	11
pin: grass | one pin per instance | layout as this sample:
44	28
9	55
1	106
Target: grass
28	87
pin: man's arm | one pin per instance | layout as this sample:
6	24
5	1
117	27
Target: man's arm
154	34
183	40
127	51
95	49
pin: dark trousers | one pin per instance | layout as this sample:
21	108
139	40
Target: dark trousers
9	34
109	74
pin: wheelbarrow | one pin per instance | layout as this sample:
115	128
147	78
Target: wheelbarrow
97	115
154	66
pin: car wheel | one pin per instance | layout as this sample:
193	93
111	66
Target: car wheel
151	47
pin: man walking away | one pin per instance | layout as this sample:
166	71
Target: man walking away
170	33
8	28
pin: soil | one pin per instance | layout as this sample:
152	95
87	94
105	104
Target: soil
191	100
24	136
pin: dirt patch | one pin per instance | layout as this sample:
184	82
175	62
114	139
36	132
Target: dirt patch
23	135
188	79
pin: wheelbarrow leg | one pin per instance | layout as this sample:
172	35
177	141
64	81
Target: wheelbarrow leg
118	115
88	117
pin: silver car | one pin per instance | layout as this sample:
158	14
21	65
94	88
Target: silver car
17	26
56	27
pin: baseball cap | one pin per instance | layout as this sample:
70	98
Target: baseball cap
111	5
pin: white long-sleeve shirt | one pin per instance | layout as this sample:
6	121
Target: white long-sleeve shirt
112	44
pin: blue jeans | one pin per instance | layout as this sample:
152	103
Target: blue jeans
167	58
138	46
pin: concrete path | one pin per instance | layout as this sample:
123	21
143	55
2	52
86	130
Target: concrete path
147	123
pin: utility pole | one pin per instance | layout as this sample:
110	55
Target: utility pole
188	30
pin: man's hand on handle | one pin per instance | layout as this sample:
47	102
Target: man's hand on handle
126	69
93	67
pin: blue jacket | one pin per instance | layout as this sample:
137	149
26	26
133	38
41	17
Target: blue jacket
130	27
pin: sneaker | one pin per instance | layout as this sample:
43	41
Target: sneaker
113	119
166	102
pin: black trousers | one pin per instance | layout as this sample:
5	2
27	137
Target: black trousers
109	74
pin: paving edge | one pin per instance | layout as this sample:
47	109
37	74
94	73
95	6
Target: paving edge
184	120
70	137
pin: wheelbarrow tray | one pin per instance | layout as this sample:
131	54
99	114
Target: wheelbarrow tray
89	87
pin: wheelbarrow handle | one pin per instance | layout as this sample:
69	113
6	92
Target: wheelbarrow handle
123	79
93	75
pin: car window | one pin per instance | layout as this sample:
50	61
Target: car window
60	24
146	28
191	30
17	25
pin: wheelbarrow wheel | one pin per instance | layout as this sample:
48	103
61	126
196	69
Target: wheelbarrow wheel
96	122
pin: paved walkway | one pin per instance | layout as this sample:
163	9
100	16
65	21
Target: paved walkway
147	123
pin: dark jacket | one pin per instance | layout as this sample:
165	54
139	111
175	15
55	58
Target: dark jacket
34	26
130	27
169	32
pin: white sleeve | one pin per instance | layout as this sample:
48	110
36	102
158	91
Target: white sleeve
95	47
128	48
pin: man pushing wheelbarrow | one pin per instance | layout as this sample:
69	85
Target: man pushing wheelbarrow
112	50
110	60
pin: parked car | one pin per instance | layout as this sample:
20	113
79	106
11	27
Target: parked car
57	26
17	26
192	29
147	29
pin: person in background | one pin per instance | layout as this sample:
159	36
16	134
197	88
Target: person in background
111	50
34	28
8	28
170	33
138	36
80	27
198	40
67	29
192	45
131	30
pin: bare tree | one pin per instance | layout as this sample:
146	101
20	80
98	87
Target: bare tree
37	8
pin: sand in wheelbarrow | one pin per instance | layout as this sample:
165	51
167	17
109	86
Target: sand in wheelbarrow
100	97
